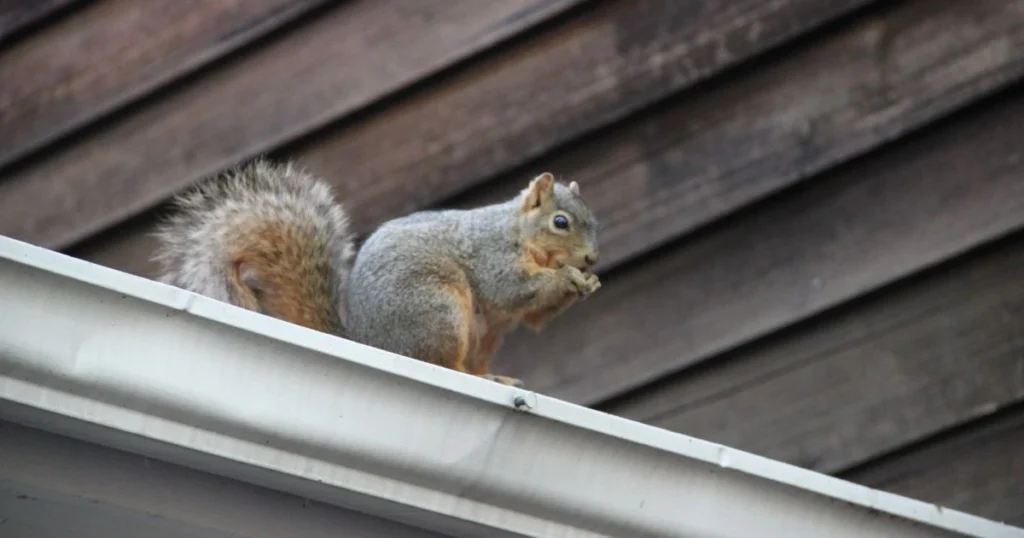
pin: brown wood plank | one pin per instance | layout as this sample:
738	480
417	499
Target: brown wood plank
869	224
596	69
893	369
128	247
978	469
16	15
703	156
338	63
115	51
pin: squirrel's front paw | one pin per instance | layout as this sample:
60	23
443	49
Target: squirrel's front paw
591	283
581	283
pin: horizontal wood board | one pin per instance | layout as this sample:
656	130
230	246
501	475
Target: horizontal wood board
878	375
338	63
111	52
782	272
422	149
535	97
18	15
976	469
915	203
699	157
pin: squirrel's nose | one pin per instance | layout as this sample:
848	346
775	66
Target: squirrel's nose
591	259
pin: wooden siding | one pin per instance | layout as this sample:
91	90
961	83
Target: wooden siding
17	16
813	210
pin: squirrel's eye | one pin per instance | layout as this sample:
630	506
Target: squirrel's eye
561	222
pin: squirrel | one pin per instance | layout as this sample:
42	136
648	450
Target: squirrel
442	286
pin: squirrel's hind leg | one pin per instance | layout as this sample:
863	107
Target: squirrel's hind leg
490	339
456	342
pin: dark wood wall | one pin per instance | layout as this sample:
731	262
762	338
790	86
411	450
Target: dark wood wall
814	209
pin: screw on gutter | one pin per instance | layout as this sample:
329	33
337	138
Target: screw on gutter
525	401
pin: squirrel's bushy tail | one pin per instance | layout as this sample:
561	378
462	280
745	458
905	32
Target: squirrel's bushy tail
264	236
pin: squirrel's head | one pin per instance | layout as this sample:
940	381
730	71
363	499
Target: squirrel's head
555	222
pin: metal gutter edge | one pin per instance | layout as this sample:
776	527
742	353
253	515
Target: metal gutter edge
138	365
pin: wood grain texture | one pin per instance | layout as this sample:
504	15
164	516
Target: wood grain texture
16	15
340	62
699	157
522	102
585	74
976	469
896	368
114	51
919	202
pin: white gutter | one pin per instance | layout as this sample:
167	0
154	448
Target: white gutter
97	354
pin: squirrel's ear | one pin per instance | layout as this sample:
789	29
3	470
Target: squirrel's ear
574	188
541	189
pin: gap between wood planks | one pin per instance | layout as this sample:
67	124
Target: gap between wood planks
17	18
786	260
975	468
866	379
339	63
762	104
443	136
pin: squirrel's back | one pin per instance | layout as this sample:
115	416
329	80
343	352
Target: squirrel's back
263	236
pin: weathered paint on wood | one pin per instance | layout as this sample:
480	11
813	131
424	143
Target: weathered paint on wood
71	73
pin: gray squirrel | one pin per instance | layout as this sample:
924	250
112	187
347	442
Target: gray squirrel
441	286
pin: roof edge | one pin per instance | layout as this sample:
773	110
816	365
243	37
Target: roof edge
83	342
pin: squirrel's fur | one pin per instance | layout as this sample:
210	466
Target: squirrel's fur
439	286
263	236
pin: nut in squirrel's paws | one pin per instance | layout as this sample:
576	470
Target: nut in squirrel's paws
504	380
